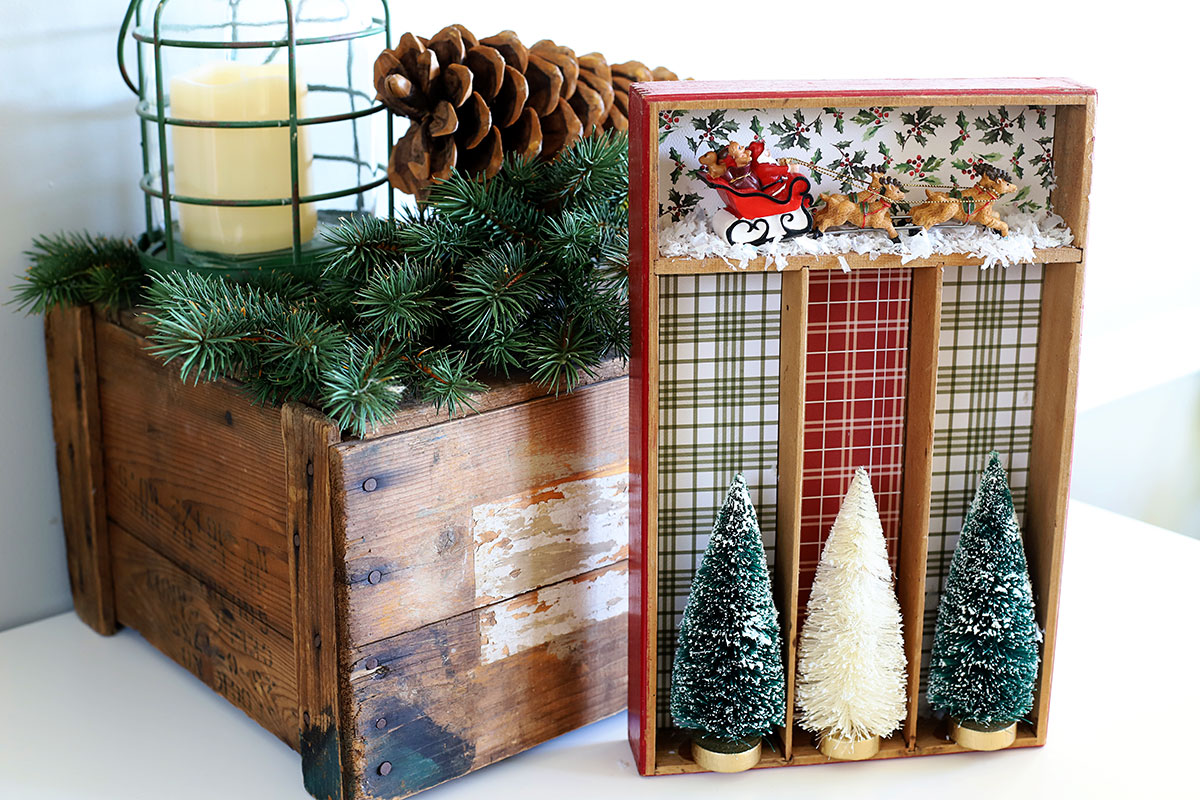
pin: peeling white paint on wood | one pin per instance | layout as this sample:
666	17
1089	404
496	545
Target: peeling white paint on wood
553	533
552	613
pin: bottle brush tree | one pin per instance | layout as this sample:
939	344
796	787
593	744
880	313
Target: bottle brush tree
985	646
727	683
851	677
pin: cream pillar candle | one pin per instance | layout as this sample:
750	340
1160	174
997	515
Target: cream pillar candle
238	163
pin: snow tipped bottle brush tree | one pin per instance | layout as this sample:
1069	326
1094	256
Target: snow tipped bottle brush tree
727	682
851	674
985	647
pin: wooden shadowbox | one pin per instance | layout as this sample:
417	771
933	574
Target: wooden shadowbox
962	360
400	609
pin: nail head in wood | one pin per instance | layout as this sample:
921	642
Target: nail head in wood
307	719
381	723
375	576
310	468
370	485
371	663
385	768
317	641
295	540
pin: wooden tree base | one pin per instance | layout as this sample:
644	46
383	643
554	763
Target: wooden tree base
716	757
849	749
987	739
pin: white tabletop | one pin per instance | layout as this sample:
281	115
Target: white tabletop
84	717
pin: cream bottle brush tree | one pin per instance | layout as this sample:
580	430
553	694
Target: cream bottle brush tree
851	675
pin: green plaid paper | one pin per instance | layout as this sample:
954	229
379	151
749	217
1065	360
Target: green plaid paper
718	415
987	356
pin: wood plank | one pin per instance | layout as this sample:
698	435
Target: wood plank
838	100
422	540
197	472
78	450
643	310
793	348
924	331
1050	458
931	740
1073	146
643	417
440	701
888	91
674	754
501	392
210	634
650	529
1055	397
308	436
856	261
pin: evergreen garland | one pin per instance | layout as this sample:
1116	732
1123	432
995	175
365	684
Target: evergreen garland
985	647
524	273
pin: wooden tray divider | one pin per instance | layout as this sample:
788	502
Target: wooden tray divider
924	331
792	353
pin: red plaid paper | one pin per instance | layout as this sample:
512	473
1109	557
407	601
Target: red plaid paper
854	404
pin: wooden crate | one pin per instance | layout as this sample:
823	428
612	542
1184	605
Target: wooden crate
658	748
401	609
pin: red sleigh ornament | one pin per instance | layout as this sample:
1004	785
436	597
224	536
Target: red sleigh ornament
762	190
763	201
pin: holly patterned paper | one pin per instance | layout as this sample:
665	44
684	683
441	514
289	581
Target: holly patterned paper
922	145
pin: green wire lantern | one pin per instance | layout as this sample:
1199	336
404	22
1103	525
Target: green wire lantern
279	118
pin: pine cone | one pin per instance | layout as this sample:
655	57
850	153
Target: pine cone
471	101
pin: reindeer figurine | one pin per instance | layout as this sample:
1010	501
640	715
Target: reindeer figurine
975	205
870	208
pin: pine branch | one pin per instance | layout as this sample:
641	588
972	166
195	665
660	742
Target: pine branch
444	377
594	168
558	353
69	269
363	244
502	351
498	291
297	347
361	389
427	236
206	323
492	205
404	302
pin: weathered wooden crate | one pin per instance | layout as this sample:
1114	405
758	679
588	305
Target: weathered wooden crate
401	609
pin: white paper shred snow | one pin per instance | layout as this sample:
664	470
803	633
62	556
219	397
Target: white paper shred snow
692	237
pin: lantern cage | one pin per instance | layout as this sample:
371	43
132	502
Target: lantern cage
312	119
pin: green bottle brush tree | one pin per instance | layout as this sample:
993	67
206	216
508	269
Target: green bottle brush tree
985	648
727	682
525	273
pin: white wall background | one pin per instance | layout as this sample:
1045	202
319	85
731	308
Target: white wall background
69	161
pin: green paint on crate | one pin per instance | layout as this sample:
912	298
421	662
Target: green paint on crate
420	753
320	757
